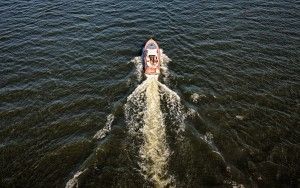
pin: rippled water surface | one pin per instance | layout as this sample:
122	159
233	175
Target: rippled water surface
75	110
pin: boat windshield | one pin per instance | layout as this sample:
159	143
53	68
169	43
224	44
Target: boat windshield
152	46
152	52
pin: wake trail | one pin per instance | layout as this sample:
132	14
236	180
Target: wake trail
155	152
146	125
145	120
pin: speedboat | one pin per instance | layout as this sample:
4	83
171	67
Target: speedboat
151	58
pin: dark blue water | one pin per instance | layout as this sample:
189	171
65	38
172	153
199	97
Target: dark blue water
66	71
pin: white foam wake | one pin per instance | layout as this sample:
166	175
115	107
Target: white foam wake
137	61
73	182
106	129
155	152
134	108
145	121
175	108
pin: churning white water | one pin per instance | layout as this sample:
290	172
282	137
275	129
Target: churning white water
154	152
145	119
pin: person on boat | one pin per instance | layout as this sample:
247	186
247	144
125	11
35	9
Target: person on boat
155	60
151	59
